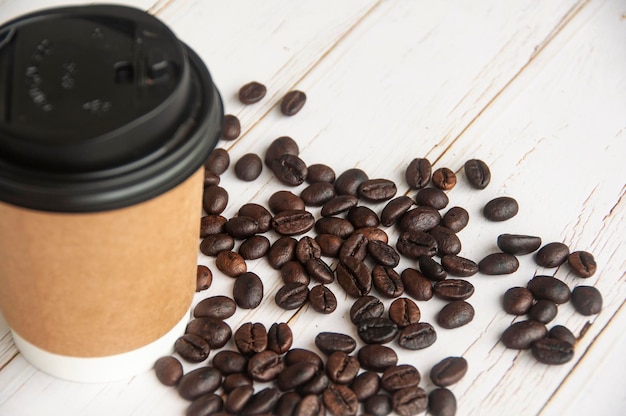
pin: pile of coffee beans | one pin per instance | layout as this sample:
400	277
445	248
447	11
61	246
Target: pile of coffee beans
327	233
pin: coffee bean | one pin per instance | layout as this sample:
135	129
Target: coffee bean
373	234
292	102
383	253
366	307
552	351
521	335
354	277
413	244
432	197
291	296
251	338
404	312
582	263
377	357
387	281
294	272
319	172
279	338
498	264
293	222
376	330
329	342
501	209
448	371
455	314
395	209
342	368
198	382
241	227
230	362
307	248
447	240
517	300
365	385
238	398
211	224
285	201
319	271
215	331
296	355
322	299
419	219
310	405
400	377
378	405
334	225
377	190
282	251
444	178
204	278
517	244
431	269
248	290
232	381
417	336
409	401
214	244
287	404
262	402
587	300
552	255
252	92
289	169
362	216
416	285
248	167
265	366
543	311
477	173
317	194
193	348
281	146
214	199
354	246
208	404
340	400
348	182
254	247
210	179
562	333
168	370
456	219
231	127
551	288
418	173
330	245
338	204
441	402
218	161
453	289
295	375
459	266
230	263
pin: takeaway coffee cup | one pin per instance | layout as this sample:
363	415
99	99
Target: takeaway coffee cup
106	119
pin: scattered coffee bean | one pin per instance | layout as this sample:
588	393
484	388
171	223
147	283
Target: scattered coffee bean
282	251
289	169
409	401
232	381
552	351
204	278
543	311
262	402
587	300
400	377
377	190
208	404
214	199
354	277
362	216
373	234
251	338
316	385
210	179
211	224
441	402
378	405
265	366
291	296
330	245
453	289
317	194
231	127
517	244
293	222
230	362
241	227
338	204
376	330
517	300
354	246
383	253
281	146
431	269
307	248
295	375
477	173
252	92
404	312
168	370
455	314
319	271
218	307
342	368
432	197
322	299
444	178
214	244
231	263
418	173
198	382
294	272
218	161
417	336
447	240
311	405
448	371
551	288
287	404
340	227
215	331
348	182
387	281
395	209
248	167
329	342
238	398
292	102
552	255
416	284
279	338
501	209
456	219
254	247
340	400
296	355
582	263
563	333
285	201
377	357
366	385
366	307
498	264
413	244
319	172
420	218
248	290
521	335
459	266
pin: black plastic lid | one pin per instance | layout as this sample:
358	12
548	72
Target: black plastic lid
101	107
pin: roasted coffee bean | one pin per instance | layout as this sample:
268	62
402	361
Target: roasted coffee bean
238	398
218	161
208	404
377	190
214	244
587	300
252	92
376	330
354	246
248	167
366	307
413	244
459	266
168	370
259	213
289	169
231	127
279	338
230	362
552	255
254	247
552	351
282	251
409	401
322	299
210	179
448	371
232	381
447	240
551	288
293	222
383	253
517	244
316	385
419	219
214	199
193	348
310	405
251	338
432	197
319	271
204	278
417	336
366	385
340	400
395	209
498	264
287	404
262	402
248	290
373	234
456	218
455	314
444	178
295	375
361	216
501	209
281	201
231	263
562	333
387	281
292	102
477	173
265	366
400	377
378	405
521	335
294	272
543	311
319	172
291	296
354	277
416	285
317	194
211	224
582	263
296	355
517	300
330	245
342	368
281	146
453	289
418	173
215	331
241	227
307	248
338	204
334	225
329	342
404	312
348	182
377	357
431	269
441	402
198	382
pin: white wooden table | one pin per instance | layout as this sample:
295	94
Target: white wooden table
535	89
